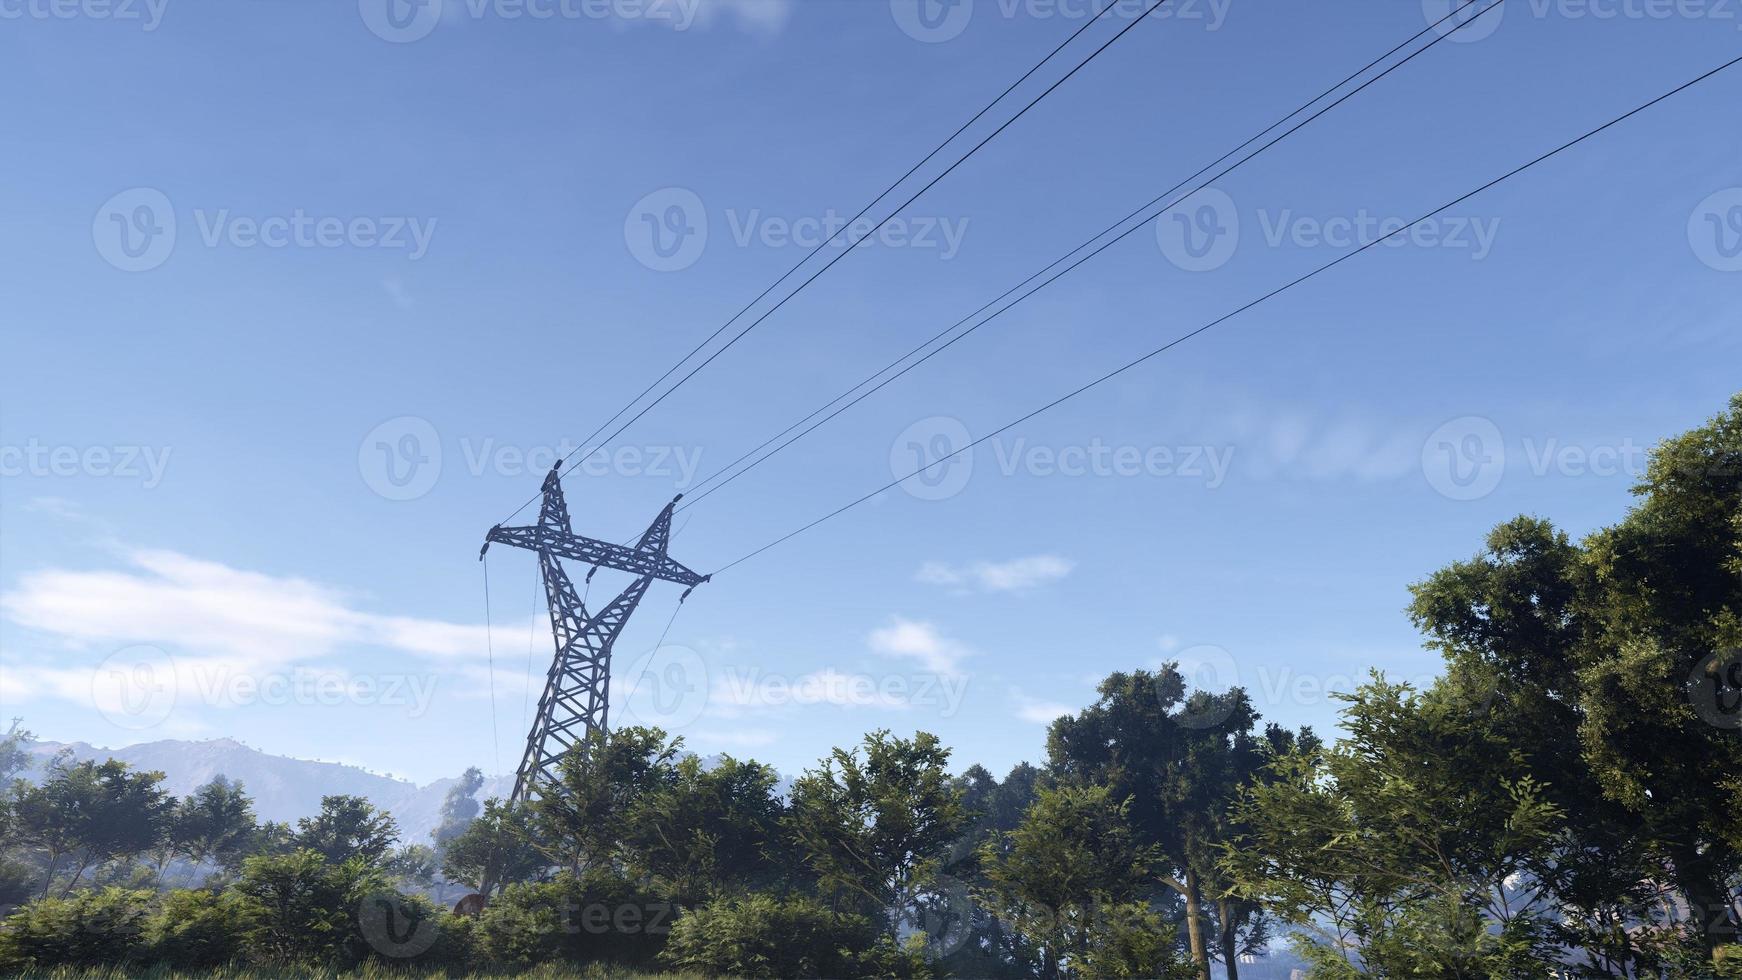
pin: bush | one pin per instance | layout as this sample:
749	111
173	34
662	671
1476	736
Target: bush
763	936
412	931
1132	940
90	928
196	930
299	909
595	917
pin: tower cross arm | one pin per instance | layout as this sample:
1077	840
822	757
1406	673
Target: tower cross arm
563	544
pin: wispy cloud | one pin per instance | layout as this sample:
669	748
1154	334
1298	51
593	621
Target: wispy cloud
754	16
921	642
1015	575
1037	711
216	619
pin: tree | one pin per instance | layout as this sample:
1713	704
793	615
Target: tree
578	824
874	823
90	812
215	824
1071	876
1174	756
15	756
459	807
707	831
413	864
500	840
1607	651
1408	840
347	827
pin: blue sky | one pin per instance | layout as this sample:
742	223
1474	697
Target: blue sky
433	236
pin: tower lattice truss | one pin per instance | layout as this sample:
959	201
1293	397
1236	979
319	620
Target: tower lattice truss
576	696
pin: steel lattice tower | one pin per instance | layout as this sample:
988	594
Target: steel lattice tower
576	696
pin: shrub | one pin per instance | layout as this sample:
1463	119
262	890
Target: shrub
299	909
596	917
91	928
763	936
196	930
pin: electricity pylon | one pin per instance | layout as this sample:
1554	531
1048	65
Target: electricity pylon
576	696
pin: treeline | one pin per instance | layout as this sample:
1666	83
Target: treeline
1565	801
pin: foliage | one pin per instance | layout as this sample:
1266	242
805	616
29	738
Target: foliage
703	832
765	936
347	827
594	917
872	823
89	928
299	907
89	812
196	929
1068	868
599	784
501	837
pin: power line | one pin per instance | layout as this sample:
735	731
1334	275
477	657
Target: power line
845	251
1247	306
698	498
490	667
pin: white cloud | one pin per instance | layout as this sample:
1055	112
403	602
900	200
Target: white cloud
218	622
1037	711
922	642
753	16
1016	575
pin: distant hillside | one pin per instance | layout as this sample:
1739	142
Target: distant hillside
283	788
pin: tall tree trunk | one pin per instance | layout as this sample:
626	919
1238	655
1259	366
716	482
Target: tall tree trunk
1195	924
48	876
1230	948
